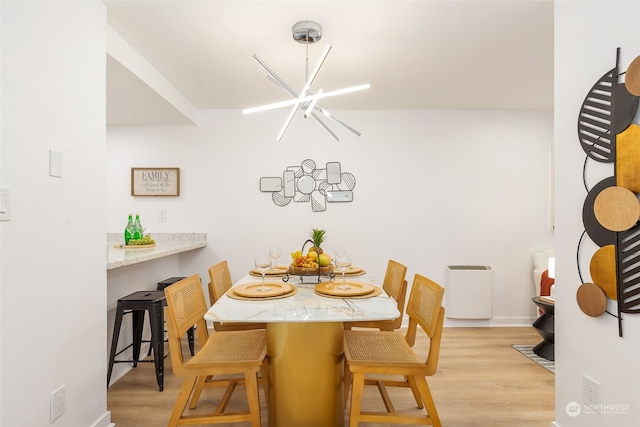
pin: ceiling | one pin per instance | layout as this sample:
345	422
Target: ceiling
422	54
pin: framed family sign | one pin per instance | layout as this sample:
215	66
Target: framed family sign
155	181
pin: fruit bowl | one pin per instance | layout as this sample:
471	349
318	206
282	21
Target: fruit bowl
303	271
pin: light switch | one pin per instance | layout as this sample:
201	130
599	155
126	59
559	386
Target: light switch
55	163
5	204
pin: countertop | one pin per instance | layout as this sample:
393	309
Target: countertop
166	244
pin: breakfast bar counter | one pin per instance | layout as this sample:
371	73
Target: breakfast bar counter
166	244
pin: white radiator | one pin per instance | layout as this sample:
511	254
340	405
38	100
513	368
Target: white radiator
468	291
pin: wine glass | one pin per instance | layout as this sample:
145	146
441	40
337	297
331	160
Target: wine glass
274	252
339	250
143	227
342	264
262	263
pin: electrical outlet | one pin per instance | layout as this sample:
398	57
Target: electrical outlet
162	215
591	391
58	403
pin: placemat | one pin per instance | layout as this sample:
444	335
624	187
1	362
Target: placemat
260	290
352	271
232	294
351	289
376	291
278	270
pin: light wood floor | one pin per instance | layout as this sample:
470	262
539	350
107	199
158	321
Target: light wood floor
481	381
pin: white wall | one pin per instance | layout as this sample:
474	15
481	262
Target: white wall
433	188
586	37
52	275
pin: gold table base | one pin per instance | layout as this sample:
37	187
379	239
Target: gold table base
305	374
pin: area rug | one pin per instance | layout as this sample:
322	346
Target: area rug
527	350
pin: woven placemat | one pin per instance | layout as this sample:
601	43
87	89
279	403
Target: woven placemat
376	291
280	270
232	294
353	271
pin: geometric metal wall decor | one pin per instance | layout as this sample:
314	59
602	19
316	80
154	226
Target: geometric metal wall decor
611	208
306	183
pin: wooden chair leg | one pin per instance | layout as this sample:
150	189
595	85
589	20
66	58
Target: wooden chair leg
415	391
385	396
196	392
346	382
251	385
182	400
357	389
264	370
430	405
226	397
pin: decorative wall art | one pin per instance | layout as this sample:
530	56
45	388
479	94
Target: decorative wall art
306	183
611	208
155	181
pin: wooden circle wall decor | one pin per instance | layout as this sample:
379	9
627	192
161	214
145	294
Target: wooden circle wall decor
611	208
617	208
632	78
603	270
591	299
600	235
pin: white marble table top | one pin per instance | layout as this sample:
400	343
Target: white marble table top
304	306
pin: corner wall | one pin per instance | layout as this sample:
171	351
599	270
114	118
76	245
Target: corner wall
587	34
52	253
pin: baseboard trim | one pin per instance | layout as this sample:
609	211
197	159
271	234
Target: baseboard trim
104	421
495	322
488	323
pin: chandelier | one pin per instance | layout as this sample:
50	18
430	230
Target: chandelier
306	32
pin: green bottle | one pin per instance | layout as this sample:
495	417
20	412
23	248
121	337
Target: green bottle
128	230
137	229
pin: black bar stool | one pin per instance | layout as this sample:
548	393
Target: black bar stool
168	282
137	304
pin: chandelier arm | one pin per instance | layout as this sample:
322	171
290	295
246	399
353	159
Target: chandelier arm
311	105
324	125
340	122
313	75
274	77
285	87
288	122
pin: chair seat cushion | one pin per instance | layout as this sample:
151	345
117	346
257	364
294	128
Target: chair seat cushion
231	347
379	347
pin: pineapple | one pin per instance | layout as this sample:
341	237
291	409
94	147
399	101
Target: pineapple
317	237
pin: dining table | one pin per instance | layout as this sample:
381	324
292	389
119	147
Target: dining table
304	317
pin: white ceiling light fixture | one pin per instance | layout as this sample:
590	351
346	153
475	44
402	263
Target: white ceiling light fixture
306	32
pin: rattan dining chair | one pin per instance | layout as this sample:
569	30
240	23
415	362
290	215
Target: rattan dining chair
391	353
219	283
221	353
395	286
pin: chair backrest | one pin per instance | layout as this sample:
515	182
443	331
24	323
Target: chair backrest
186	307
425	309
219	280
395	285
